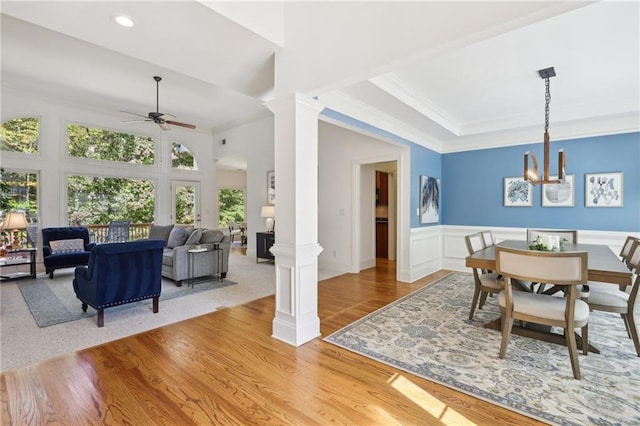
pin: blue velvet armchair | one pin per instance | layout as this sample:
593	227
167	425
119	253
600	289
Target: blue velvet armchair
119	273
58	250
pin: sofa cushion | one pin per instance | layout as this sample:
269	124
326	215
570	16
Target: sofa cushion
160	233
211	236
178	236
194	238
67	246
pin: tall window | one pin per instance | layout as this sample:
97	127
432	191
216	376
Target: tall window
94	200
100	144
20	135
231	206
21	192
181	157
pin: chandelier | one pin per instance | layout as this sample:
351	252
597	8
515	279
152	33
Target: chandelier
531	174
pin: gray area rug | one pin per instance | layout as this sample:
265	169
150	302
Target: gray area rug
53	301
428	334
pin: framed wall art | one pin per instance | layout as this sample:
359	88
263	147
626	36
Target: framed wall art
429	200
559	194
517	192
603	189
271	188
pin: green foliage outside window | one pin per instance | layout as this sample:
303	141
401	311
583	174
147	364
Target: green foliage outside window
94	200
100	144
19	191
185	204
231	206
181	157
20	135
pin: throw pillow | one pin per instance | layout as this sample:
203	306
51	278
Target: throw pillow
160	233
211	236
67	246
177	237
194	238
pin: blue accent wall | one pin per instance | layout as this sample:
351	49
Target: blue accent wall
473	185
472	182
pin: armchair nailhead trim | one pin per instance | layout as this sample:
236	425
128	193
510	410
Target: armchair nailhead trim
122	302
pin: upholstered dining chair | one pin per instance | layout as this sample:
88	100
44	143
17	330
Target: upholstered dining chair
609	298
570	235
486	282
563	268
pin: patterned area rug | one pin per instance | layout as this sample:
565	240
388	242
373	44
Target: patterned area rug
53	301
428	333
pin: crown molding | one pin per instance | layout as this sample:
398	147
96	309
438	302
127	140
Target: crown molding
347	105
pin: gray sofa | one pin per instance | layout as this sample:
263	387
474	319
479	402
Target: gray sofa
175	256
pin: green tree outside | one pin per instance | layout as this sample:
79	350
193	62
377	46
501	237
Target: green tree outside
231	206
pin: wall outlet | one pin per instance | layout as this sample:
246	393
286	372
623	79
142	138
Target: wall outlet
223	142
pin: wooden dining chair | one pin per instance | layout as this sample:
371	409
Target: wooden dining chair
570	235
485	282
609	298
562	268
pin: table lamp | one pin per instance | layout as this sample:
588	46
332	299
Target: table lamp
269	212
14	222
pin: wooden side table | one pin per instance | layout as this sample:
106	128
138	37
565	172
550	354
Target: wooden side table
22	256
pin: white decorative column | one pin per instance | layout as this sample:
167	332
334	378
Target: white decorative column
296	248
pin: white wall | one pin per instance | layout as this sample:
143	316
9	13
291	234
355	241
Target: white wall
340	216
254	142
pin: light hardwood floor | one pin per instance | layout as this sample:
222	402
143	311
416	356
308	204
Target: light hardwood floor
225	368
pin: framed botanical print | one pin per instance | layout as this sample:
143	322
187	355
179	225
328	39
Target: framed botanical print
271	188
429	200
517	192
603	189
559	194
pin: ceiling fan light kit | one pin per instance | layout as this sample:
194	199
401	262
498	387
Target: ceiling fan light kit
159	117
531	174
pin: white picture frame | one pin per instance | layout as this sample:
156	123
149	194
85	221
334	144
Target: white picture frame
517	192
559	194
271	188
603	189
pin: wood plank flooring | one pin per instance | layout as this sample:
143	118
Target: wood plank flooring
225	368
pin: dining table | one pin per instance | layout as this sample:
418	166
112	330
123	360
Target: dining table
603	265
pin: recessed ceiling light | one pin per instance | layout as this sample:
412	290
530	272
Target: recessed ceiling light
124	20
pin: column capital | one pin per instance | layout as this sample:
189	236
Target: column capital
294	99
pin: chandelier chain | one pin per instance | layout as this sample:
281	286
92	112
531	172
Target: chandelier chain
547	100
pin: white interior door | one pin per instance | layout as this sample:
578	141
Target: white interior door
185	203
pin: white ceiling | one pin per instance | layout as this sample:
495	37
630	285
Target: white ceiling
450	75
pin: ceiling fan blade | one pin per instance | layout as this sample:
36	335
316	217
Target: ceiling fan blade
163	125
177	123
136	121
134	113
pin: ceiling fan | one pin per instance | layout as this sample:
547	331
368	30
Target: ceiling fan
160	118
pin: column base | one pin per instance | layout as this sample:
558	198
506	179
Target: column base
296	334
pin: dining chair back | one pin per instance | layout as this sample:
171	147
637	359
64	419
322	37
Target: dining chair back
610	298
485	282
570	235
487	238
118	231
626	249
561	268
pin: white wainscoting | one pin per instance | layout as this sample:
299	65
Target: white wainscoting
425	253
454	249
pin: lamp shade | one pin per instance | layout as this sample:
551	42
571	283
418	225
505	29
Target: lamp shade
13	221
268	211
